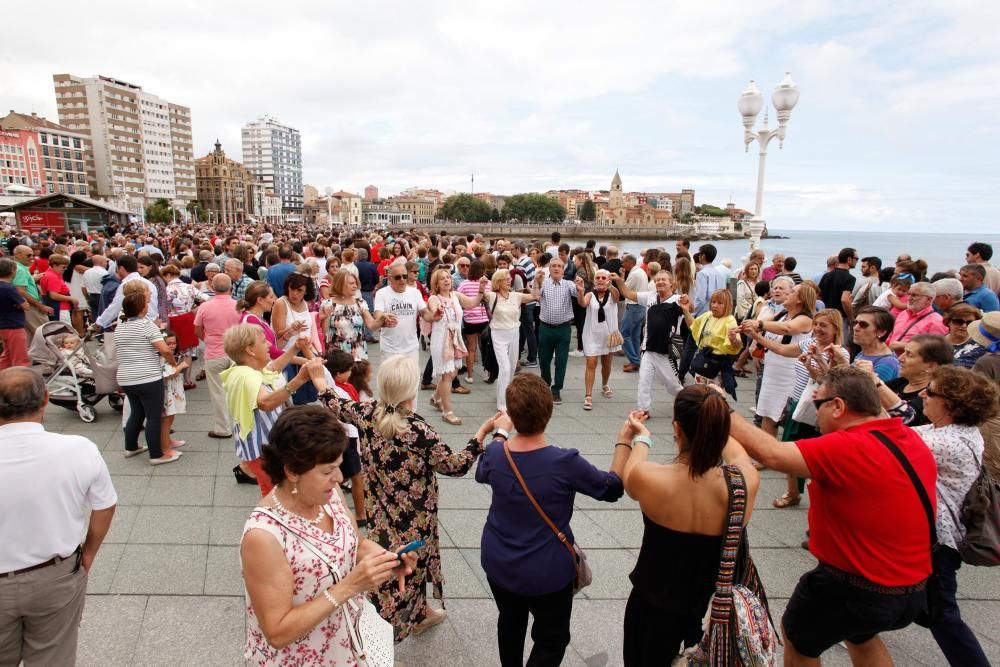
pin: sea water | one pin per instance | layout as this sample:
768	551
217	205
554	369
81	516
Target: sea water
811	248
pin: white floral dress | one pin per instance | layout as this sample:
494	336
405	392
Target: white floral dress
174	400
328	643
958	452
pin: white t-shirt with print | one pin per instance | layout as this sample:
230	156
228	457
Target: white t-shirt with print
406	306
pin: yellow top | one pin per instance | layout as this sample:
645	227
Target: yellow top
716	333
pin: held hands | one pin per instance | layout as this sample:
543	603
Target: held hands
303	345
685	303
734	334
635	424
314	368
867	367
389	320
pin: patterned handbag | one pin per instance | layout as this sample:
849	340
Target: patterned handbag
372	639
740	631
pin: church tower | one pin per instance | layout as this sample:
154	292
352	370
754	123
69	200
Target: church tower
616	198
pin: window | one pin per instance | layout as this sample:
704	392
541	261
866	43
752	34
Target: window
59	165
76	143
65	142
48	163
77	155
44	137
71	189
45	150
67	154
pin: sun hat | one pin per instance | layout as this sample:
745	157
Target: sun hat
986	331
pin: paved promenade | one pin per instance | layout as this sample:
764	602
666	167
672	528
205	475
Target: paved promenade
166	588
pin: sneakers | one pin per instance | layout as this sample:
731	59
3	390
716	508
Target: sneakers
530	364
556	398
576	353
129	453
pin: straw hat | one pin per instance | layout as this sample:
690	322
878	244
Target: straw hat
986	331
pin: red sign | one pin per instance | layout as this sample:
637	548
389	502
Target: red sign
37	221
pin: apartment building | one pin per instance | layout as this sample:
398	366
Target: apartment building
226	189
141	144
273	152
44	157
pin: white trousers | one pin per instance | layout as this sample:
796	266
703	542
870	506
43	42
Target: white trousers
505	343
654	365
415	355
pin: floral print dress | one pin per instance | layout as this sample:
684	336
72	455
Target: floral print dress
347	328
401	501
328	643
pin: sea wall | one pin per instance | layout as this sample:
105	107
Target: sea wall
571	230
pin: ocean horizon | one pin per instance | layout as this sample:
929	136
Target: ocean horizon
810	248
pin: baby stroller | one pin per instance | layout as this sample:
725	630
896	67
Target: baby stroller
67	387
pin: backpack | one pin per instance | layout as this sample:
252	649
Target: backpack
980	514
740	631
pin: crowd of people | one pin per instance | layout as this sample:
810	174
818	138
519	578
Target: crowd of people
865	386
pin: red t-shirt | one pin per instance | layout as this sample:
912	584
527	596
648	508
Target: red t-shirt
865	517
53	282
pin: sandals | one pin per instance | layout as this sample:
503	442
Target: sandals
741	373
606	391
451	418
588	403
436	403
430	621
787	500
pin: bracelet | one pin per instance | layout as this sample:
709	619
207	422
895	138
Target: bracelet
329	598
644	439
501	433
623	444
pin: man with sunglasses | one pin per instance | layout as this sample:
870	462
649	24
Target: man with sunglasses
38	313
868	527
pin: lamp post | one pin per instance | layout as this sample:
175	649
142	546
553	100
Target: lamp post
750	102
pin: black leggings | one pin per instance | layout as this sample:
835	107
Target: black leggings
654	636
145	403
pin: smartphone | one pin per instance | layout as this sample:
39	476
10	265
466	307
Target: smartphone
412	546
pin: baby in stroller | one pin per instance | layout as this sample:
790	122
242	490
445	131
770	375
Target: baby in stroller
68	349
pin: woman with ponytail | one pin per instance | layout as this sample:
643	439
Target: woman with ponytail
401	455
685	509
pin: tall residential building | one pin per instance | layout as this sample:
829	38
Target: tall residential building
39	155
226	189
141	144
273	152
371	193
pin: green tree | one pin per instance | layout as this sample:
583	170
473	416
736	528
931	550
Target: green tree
588	212
708	209
160	212
465	208
494	215
687	218
533	207
196	210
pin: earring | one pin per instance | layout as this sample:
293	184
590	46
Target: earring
295	489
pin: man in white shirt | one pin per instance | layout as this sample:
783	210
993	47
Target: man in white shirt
92	278
128	270
402	305
636	280
47	481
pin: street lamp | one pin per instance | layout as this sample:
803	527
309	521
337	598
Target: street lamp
750	103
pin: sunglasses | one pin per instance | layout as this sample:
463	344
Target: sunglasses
931	393
961	323
401	276
818	402
862	324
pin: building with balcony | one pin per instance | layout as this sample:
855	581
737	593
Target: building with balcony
273	152
227	190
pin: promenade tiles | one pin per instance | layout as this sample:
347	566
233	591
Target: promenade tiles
166	586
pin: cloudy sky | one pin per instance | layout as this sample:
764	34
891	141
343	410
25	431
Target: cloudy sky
896	127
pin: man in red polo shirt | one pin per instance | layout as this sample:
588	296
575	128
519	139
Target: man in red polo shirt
867	526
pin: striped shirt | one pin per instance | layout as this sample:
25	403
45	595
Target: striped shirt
248	448
557	301
476	314
525	264
138	360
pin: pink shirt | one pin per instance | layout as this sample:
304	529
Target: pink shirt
769	274
924	322
214	317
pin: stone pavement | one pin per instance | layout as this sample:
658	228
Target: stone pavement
166	588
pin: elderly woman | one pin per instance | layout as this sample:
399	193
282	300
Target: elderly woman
402	456
344	316
957	319
792	325
600	321
685	513
301	556
745	294
256	394
903	396
182	299
956	401
445	306
527	567
505	322
814	356
139	346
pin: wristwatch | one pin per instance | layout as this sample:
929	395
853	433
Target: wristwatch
501	433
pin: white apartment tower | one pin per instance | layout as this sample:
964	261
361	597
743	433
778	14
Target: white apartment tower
273	152
142	144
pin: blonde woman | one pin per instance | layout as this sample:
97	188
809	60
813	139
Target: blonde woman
447	346
401	454
600	308
504	304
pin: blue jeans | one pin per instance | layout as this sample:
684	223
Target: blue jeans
956	640
635	317
369	299
527	334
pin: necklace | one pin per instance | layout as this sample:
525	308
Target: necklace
277	503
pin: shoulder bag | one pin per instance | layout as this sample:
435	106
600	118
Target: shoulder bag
372	639
980	515
487	353
706	363
740	630
584	576
935	595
